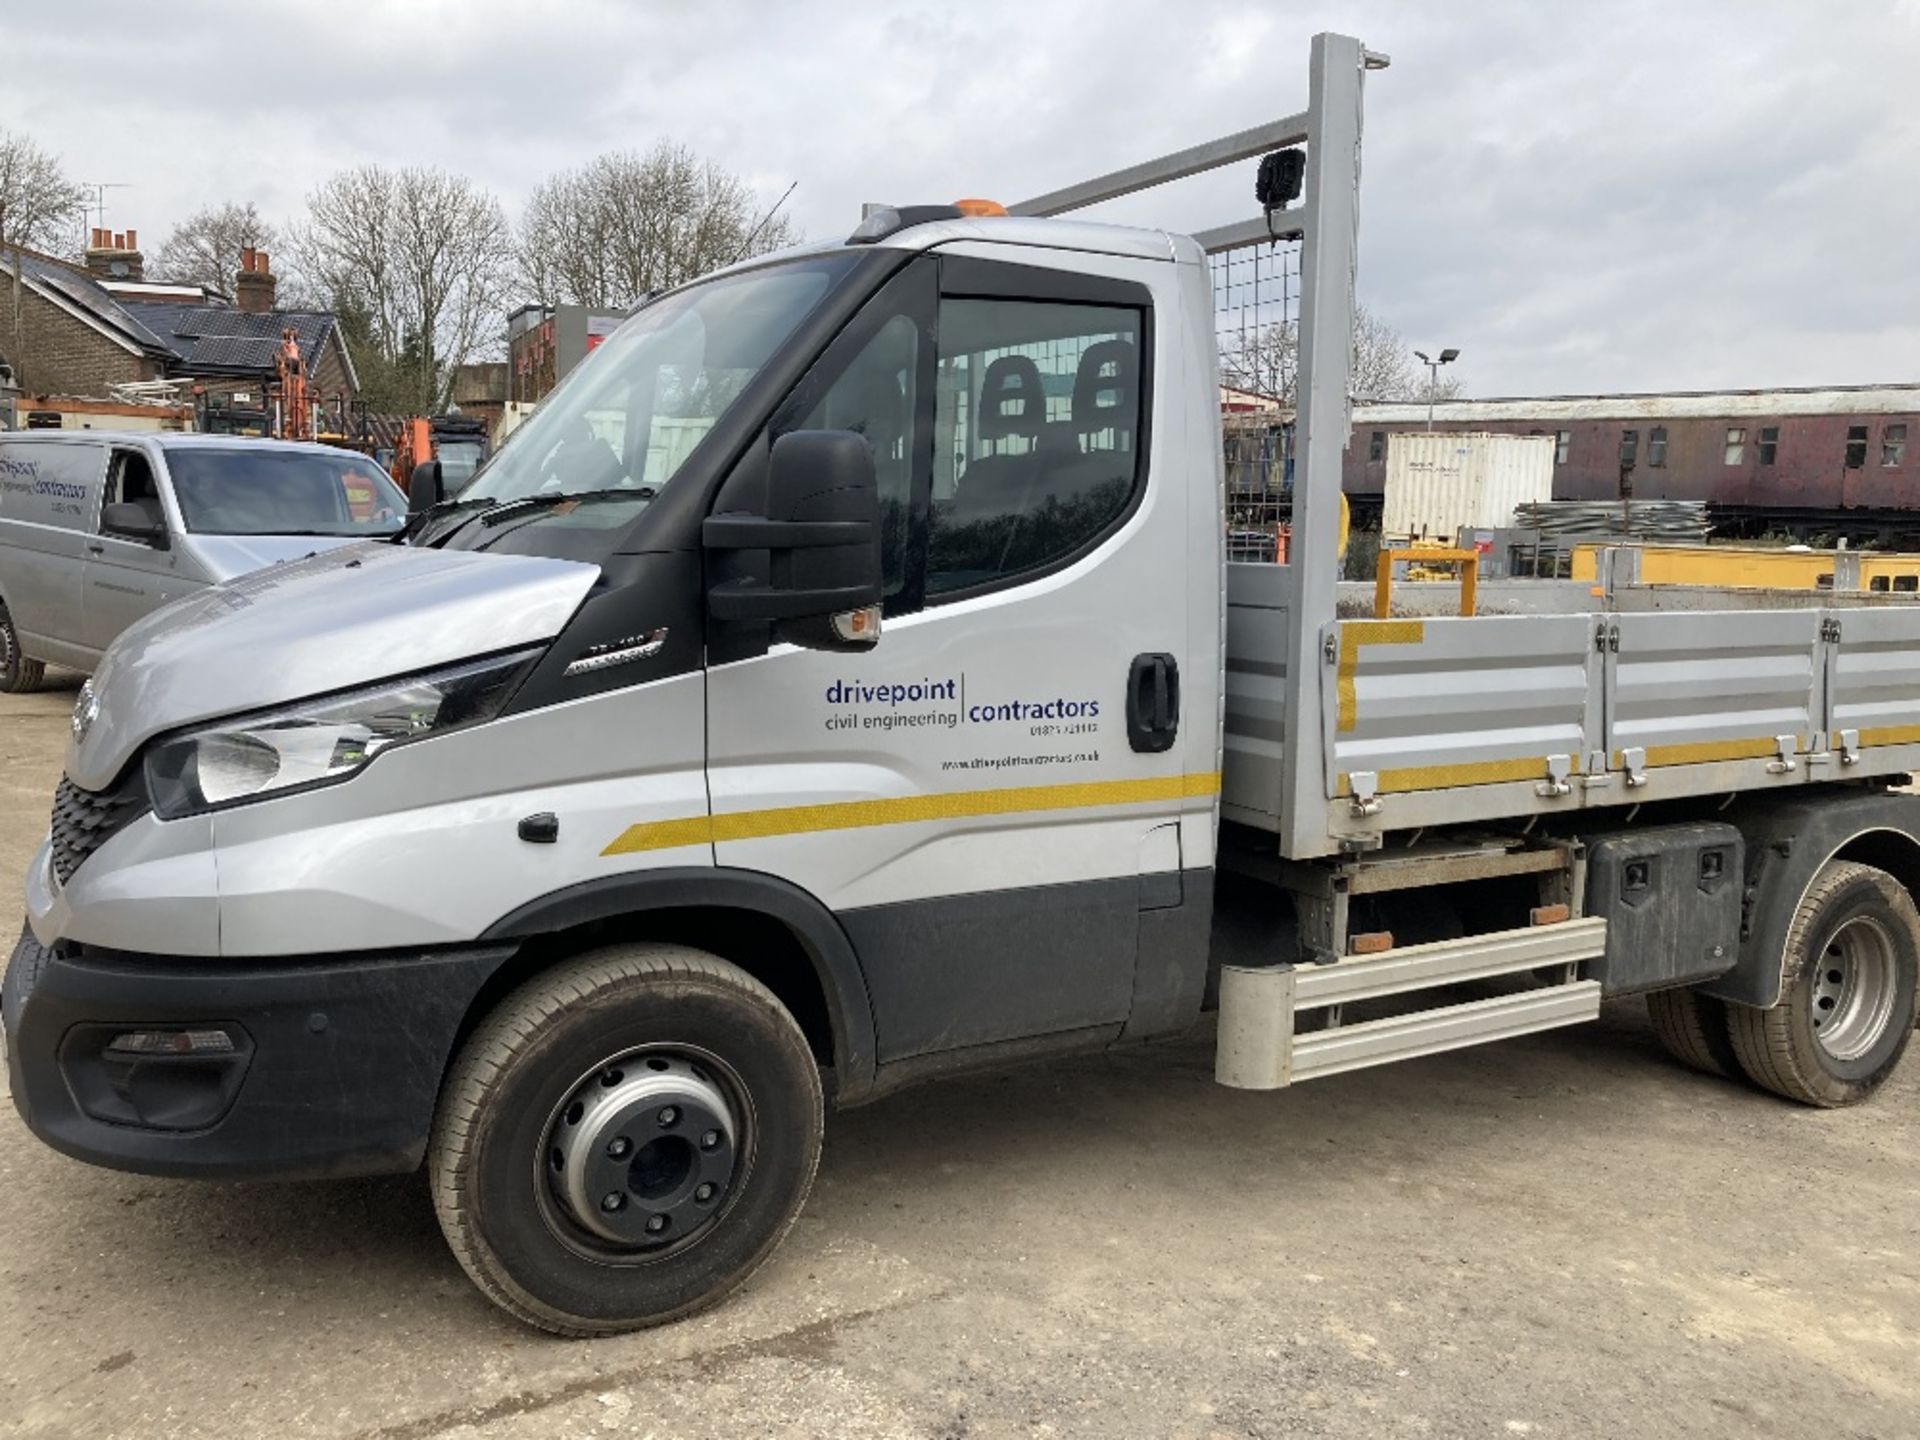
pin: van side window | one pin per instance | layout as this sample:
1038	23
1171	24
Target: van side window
1037	421
130	481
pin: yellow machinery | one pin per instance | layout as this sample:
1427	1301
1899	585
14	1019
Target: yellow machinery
1751	568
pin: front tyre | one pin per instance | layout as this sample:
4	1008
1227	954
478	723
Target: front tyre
625	1139
1846	1010
18	674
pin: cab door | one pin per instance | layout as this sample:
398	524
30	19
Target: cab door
128	577
990	799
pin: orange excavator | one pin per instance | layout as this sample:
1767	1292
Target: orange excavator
296	414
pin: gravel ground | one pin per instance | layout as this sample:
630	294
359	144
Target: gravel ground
1560	1236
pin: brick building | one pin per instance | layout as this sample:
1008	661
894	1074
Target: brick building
81	330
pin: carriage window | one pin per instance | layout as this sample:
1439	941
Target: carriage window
1856	446
1769	443
1377	447
1893	446
1736	444
1562	446
1657	445
1036	435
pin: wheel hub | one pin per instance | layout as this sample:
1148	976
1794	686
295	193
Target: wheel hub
642	1152
1854	989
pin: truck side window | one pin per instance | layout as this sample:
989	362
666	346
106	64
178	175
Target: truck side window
874	397
1036	436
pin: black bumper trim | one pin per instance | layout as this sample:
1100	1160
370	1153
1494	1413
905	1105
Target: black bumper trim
349	1054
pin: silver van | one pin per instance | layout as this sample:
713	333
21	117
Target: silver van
99	529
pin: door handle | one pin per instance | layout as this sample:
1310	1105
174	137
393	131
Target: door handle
96	549
1153	703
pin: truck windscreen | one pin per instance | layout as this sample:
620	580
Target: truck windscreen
622	425
268	491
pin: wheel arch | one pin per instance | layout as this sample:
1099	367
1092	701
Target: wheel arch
775	931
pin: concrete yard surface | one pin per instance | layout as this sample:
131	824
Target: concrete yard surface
1566	1235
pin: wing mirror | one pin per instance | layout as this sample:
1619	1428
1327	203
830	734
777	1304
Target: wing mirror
424	487
821	533
130	521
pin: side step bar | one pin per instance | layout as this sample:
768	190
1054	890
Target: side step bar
1258	1049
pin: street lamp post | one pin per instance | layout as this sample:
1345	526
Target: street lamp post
1447	357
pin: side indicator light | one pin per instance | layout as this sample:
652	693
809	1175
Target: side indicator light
979	208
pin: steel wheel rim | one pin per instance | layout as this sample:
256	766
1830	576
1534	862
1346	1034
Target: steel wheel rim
1854	989
688	1129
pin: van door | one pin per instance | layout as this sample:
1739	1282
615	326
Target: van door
127	578
991	797
49	496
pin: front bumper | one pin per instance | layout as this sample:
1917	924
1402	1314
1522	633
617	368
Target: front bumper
334	1069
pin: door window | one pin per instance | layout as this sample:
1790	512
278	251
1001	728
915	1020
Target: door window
130	482
873	394
1037	437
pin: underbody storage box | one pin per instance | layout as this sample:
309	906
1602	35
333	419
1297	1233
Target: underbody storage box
1670	895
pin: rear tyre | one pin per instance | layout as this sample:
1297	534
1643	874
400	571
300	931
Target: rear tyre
1846	1009
1693	1027
18	674
625	1139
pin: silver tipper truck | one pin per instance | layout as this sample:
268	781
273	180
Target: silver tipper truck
839	681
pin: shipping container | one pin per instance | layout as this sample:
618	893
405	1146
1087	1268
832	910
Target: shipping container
1437	483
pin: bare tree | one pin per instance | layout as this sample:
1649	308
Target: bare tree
40	207
1267	361
424	258
205	249
627	223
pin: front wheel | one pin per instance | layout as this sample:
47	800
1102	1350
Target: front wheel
625	1139
18	674
1847	1007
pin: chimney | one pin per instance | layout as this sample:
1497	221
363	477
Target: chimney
113	256
253	287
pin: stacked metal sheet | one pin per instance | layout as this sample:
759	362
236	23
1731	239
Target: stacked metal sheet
1672	521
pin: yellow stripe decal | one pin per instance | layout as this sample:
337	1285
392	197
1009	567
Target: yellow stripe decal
907	810
1445	777
1703	752
1354	634
1891	735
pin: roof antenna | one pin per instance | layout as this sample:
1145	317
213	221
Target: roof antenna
754	234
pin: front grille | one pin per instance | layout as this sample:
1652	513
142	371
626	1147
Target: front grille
84	820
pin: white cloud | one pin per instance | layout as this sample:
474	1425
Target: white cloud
1616	195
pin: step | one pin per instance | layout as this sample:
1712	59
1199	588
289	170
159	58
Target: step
1259	1050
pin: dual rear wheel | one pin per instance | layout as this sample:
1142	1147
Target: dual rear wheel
1846	1012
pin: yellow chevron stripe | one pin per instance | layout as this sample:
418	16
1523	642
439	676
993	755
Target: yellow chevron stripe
1446	777
1889	735
906	810
1354	634
1702	752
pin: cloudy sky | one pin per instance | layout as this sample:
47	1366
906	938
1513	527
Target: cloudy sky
1614	195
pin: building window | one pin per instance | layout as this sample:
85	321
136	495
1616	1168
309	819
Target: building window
1736	444
1893	446
1377	447
1856	446
1629	448
1562	446
1769	443
1657	445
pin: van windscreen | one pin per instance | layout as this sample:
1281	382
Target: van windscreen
245	491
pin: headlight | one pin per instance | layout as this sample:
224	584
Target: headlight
322	742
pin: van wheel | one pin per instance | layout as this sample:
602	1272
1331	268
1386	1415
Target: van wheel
625	1139
1846	1011
1693	1027
18	674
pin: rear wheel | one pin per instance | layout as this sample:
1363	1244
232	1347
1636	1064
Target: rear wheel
1693	1027
625	1139
1846	1010
18	674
